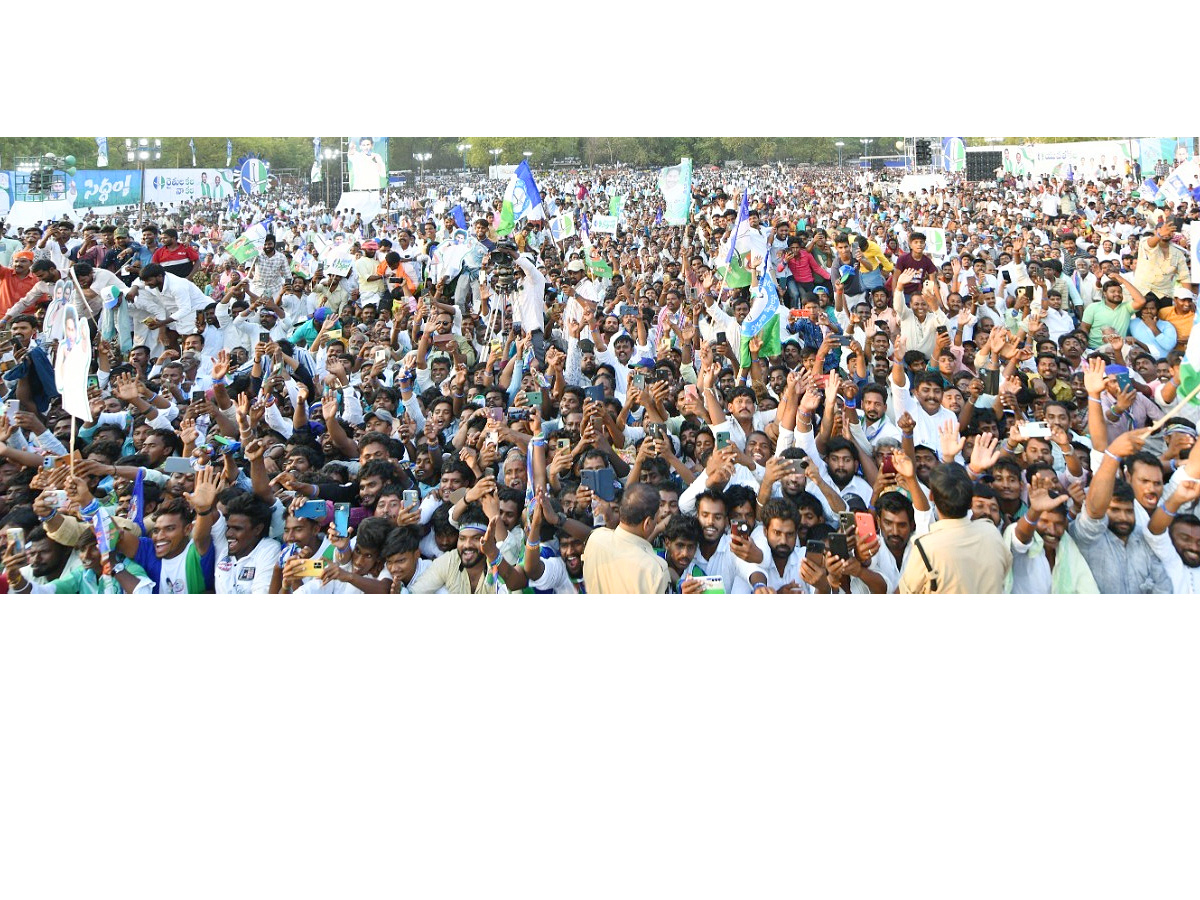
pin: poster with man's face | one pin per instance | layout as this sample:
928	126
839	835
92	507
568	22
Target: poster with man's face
367	163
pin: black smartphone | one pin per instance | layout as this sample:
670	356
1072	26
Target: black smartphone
845	340
941	329
881	325
721	338
839	546
814	550
197	396
264	337
1007	276
846	522
595	392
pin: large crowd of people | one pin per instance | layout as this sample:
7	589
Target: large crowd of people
559	410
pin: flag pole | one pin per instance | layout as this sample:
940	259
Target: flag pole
1175	408
74	428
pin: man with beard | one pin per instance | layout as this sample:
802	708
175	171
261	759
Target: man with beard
876	426
1145	475
1118	555
166	306
713	551
1174	538
896	519
48	559
1045	558
780	572
463	570
580	291
561	574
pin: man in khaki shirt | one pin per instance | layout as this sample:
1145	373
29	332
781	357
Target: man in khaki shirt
621	560
958	555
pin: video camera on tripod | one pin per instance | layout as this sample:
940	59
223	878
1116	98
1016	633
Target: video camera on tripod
502	262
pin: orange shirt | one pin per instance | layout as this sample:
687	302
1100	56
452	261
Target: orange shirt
13	288
1181	321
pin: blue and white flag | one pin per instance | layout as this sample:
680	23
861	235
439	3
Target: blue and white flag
551	207
137	499
316	149
460	218
101	152
1148	190
192	144
228	153
522	200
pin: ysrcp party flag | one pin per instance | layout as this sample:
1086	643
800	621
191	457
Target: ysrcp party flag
246	247
522	200
1177	185
101	152
935	241
562	226
763	319
675	185
228	153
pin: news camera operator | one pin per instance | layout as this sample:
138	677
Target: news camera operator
529	296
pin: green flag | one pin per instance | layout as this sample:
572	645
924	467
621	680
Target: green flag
771	343
599	267
734	275
615	206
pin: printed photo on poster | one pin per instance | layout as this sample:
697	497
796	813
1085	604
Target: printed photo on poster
366	159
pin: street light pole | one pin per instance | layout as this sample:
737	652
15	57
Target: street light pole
463	148
496	151
840	145
329	155
145	149
866	142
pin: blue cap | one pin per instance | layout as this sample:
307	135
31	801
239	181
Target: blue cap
845	272
1115	370
820	289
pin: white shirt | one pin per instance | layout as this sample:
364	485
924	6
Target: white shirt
529	306
725	564
1031	572
926	430
554	578
178	300
252	573
1184	579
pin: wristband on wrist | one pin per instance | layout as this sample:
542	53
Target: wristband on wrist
1112	456
495	562
1163	507
1032	522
